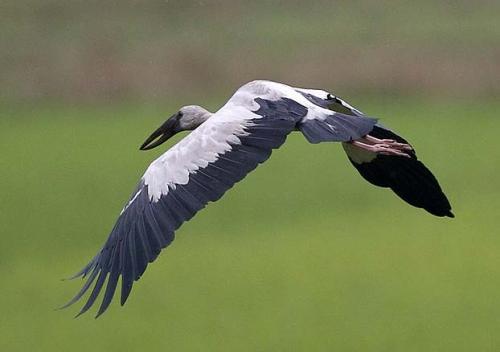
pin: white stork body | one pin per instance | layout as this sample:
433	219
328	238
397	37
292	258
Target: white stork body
221	131
218	133
222	149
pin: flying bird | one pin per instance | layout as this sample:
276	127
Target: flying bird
222	149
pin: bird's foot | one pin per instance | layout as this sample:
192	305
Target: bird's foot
374	141
382	146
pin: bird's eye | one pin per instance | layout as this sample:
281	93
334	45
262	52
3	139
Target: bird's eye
329	96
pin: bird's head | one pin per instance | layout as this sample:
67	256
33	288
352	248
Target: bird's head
186	119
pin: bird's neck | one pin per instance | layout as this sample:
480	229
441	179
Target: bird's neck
203	116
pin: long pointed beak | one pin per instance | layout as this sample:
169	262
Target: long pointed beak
162	134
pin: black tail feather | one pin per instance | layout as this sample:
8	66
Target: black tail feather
409	178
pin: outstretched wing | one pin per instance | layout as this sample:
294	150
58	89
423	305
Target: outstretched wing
197	170
409	178
336	122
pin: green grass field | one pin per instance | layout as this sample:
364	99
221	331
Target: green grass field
303	255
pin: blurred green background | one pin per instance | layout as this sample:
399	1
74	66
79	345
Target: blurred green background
303	255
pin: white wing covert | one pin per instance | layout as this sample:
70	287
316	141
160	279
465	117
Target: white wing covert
206	163
197	170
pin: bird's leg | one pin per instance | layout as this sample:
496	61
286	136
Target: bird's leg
382	146
374	141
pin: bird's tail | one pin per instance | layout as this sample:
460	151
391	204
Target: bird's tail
409	178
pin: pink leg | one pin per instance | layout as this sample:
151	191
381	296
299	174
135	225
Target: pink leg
374	141
382	146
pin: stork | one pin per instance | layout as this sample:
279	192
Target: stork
222	149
